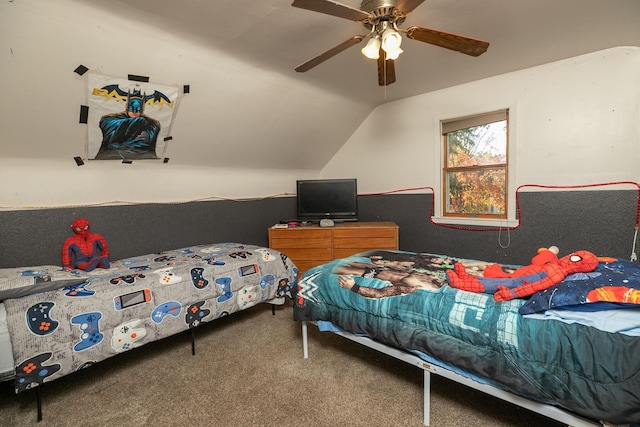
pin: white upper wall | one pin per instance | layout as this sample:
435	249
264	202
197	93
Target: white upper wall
247	132
233	135
578	122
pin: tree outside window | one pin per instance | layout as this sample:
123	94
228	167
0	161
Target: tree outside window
475	166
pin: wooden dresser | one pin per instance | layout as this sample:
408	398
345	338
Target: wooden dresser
312	245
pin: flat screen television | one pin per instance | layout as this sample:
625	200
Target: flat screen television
335	199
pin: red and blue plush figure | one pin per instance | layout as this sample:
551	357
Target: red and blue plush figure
545	270
84	250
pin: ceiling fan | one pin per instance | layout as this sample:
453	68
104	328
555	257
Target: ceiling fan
381	18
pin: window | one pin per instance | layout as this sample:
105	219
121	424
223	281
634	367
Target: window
475	166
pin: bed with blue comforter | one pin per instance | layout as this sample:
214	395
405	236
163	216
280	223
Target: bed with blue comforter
403	300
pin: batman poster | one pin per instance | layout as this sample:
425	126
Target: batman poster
128	120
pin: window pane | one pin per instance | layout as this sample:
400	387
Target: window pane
478	146
476	192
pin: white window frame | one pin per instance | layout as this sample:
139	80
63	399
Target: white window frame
438	147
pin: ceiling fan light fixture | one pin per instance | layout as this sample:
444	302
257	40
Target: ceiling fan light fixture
391	40
394	54
372	48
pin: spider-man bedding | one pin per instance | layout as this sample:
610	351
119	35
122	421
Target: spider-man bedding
60	322
403	300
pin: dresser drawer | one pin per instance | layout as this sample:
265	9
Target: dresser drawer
369	243
306	254
300	233
309	243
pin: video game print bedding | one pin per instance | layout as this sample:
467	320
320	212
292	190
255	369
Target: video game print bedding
402	299
138	300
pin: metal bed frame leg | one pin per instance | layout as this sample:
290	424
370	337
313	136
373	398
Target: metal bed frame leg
193	341
426	395
305	341
39	403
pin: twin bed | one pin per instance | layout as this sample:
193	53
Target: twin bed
54	322
570	352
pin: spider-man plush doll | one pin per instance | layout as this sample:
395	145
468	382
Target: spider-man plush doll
85	250
545	270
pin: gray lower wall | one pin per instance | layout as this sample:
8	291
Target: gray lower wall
35	237
599	221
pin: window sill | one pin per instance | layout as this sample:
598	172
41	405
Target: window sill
481	222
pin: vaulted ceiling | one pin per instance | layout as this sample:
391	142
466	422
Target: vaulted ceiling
270	34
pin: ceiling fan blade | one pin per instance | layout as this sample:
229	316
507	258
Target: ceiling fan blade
386	70
329	54
463	44
406	6
330	7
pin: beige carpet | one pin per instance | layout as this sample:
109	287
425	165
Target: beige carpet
249	371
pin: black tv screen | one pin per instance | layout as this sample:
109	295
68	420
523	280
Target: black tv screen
335	199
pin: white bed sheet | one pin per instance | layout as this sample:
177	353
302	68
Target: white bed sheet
6	351
624	320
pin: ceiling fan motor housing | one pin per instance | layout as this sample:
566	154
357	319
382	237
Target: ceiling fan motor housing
372	5
381	11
